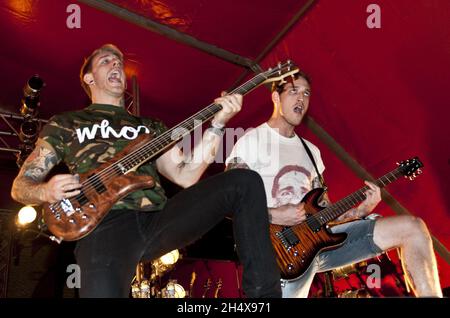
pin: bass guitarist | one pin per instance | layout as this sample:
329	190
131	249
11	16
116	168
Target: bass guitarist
145	225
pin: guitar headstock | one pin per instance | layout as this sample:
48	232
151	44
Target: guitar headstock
410	168
218	287
208	283
280	72
219	283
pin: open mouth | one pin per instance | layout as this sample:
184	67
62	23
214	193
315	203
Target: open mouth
115	77
298	108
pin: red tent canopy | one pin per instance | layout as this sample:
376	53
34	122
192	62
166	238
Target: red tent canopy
379	94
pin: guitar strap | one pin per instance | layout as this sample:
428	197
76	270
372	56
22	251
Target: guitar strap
308	151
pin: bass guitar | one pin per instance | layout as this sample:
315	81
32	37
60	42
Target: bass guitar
73	218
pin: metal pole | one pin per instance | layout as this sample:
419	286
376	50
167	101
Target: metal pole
19	117
166	31
9	149
7	133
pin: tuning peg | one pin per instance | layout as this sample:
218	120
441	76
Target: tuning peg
419	171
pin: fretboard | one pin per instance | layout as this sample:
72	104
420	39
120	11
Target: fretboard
175	134
337	209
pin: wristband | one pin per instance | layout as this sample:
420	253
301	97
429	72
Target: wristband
217	129
217	125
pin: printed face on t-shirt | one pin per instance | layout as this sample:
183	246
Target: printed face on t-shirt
290	185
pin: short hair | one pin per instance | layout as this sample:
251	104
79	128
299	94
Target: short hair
279	85
87	65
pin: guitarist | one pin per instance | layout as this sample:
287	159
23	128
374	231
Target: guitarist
145	224
277	153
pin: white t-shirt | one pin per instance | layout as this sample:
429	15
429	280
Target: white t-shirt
282	162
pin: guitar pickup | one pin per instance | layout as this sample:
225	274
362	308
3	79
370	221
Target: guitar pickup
81	198
288	237
314	224
96	183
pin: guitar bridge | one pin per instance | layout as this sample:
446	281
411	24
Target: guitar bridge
67	207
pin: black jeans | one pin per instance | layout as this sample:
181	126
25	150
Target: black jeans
108	256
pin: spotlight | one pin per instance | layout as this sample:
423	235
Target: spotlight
26	215
29	131
31	94
170	258
173	290
30	127
164	264
28	134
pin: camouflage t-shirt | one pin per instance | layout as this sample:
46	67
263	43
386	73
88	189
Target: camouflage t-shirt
85	139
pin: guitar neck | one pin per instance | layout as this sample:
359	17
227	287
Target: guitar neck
337	209
175	134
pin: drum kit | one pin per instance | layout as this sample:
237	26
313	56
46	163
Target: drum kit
351	281
190	278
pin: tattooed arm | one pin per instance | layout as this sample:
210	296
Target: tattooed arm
367	206
29	186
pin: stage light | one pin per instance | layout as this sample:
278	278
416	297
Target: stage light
170	258
31	94
173	290
28	134
26	215
30	127
29	131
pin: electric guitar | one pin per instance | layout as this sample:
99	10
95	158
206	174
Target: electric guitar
73	218
297	246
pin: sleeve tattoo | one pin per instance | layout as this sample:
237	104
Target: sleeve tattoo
27	187
39	163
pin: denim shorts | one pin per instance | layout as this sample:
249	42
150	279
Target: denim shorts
358	247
